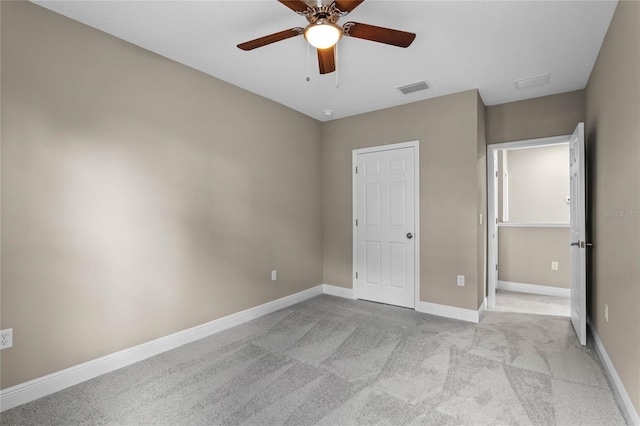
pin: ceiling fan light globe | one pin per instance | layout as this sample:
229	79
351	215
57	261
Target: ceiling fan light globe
322	35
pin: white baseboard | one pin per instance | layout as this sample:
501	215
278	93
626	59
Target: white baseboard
425	307
333	290
43	386
618	387
482	309
46	385
453	312
534	289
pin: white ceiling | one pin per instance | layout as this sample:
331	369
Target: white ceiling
460	45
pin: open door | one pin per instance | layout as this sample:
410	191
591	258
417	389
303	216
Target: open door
578	235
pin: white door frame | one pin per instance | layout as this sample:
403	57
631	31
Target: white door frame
354	194
492	203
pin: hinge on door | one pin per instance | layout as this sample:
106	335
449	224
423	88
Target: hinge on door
496	174
356	275
356	222
496	220
496	266
356	169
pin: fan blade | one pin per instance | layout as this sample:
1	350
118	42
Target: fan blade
272	38
295	5
327	60
347	5
379	34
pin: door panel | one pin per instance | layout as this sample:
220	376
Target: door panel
372	204
398	203
398	265
385	209
371	167
372	263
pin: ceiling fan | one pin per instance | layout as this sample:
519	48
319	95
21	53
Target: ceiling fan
323	31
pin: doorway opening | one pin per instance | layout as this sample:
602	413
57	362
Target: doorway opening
529	227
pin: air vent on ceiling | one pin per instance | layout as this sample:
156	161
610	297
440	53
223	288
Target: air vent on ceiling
414	87
536	80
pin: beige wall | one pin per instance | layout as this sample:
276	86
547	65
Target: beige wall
613	151
447	128
140	197
543	117
525	256
538	184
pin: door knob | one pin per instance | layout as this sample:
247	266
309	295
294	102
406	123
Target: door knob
581	244
409	235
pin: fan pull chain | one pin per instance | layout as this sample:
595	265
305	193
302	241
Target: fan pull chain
308	62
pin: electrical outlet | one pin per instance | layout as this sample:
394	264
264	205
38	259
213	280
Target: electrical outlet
6	338
606	312
460	280
274	275
554	266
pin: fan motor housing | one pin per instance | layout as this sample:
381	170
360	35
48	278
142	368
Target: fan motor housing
328	13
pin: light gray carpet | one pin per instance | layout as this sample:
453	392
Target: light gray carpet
333	361
525	303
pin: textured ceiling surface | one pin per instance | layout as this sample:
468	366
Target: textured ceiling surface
460	45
